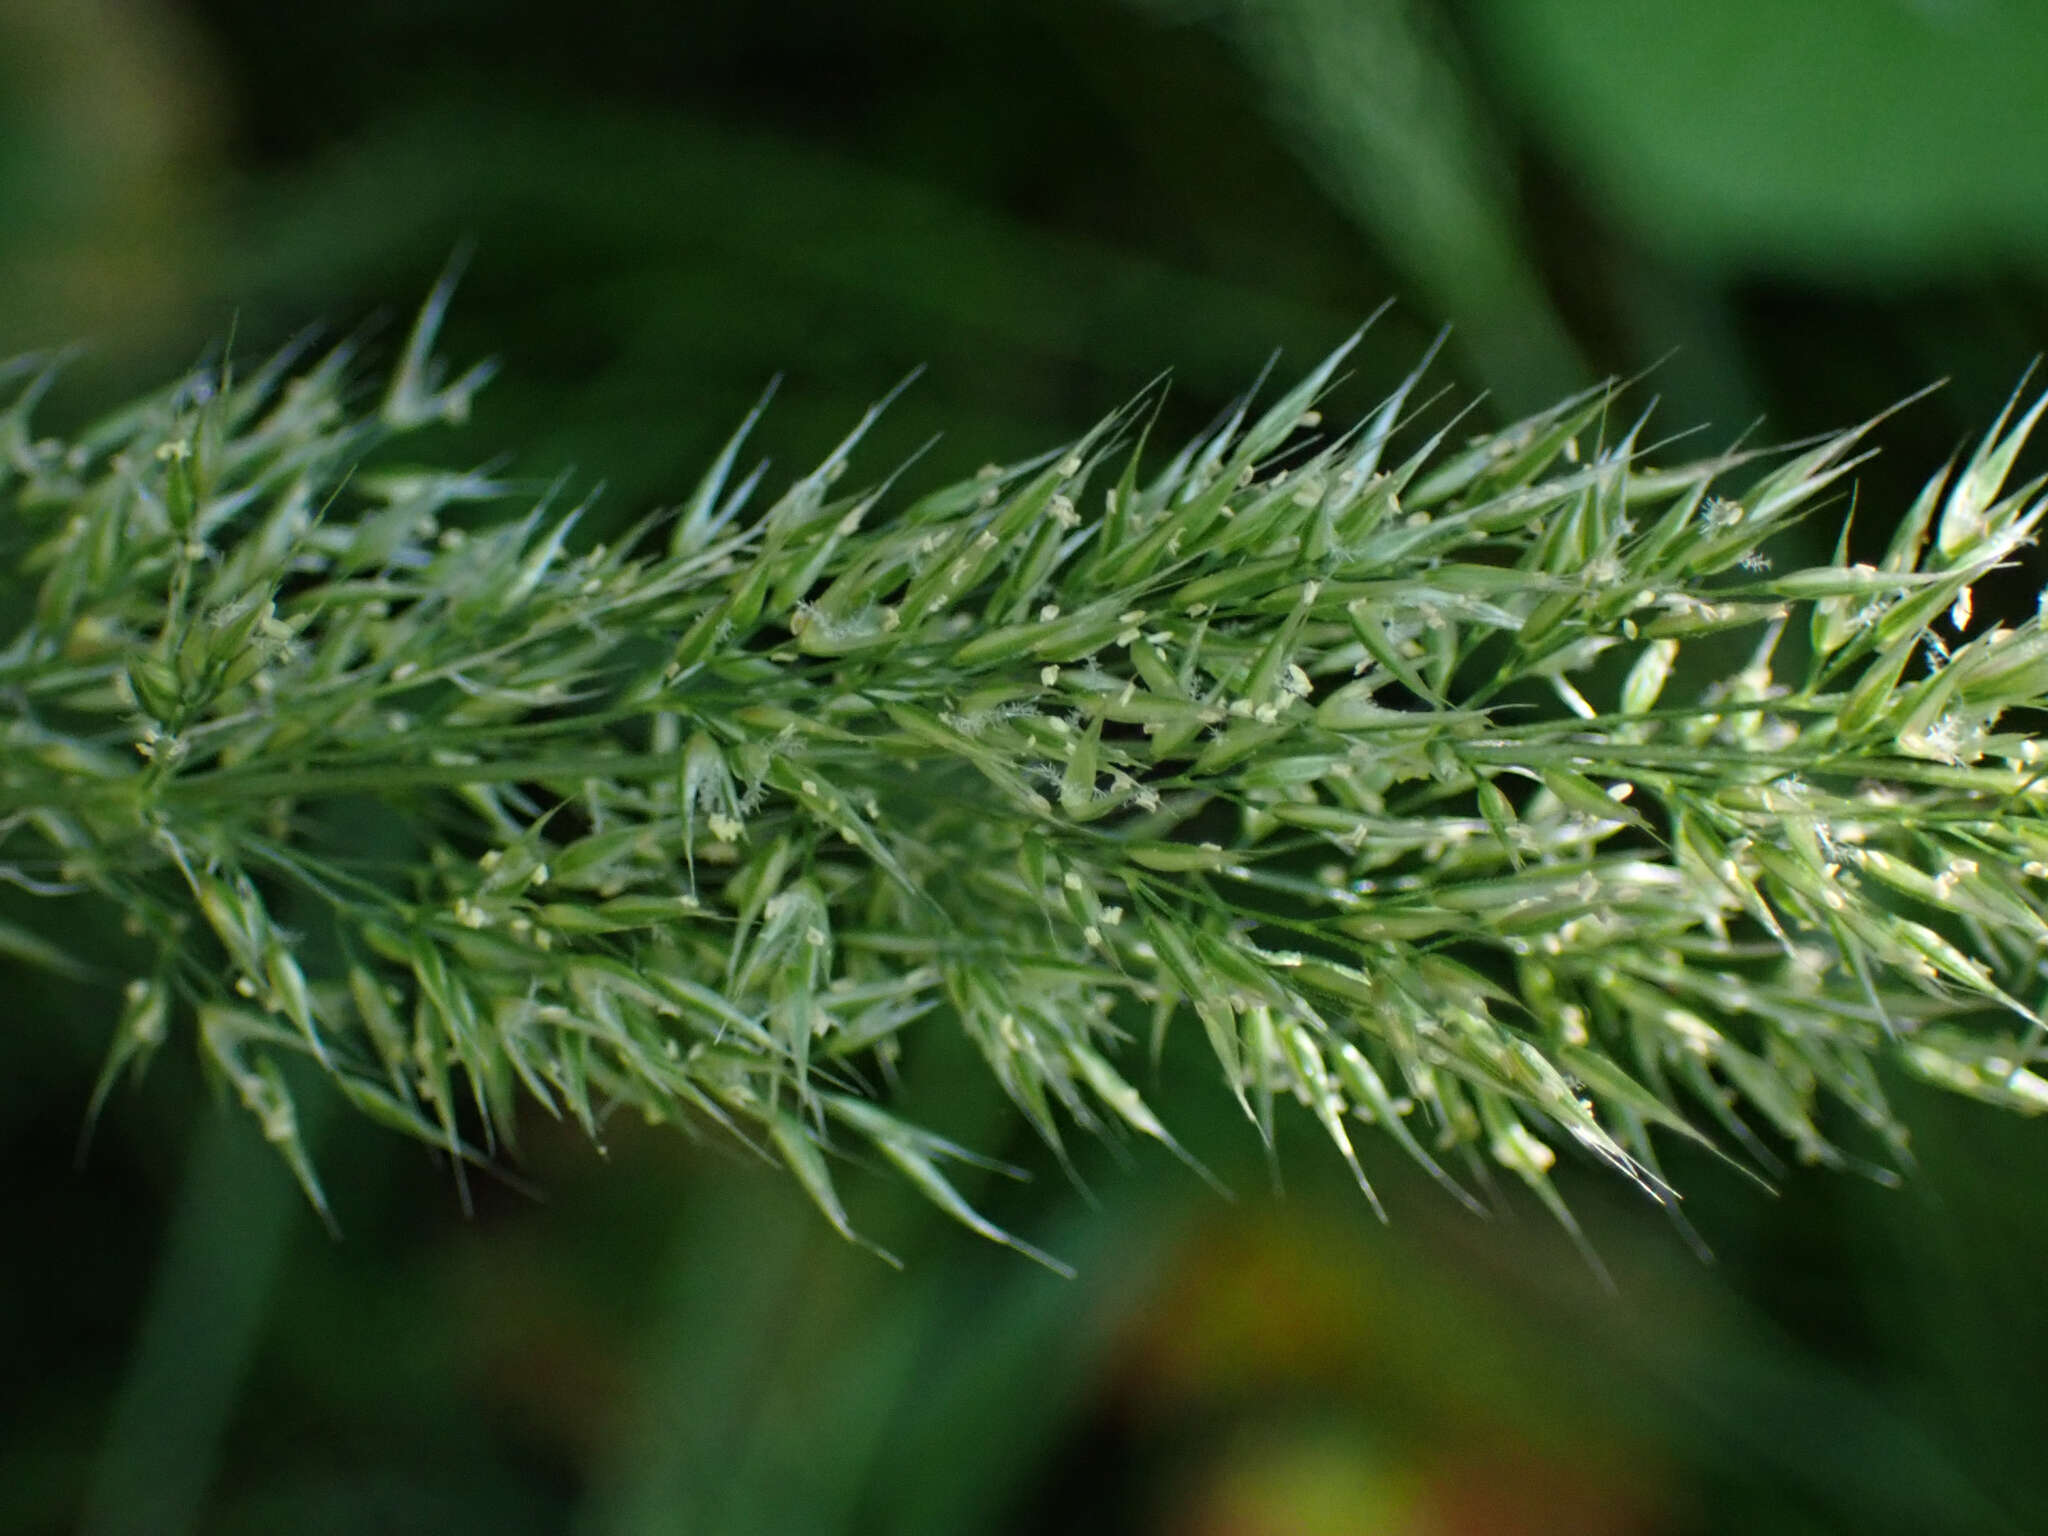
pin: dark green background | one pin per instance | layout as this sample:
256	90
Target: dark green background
1819	204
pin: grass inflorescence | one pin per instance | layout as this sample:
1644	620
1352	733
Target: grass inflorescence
1418	777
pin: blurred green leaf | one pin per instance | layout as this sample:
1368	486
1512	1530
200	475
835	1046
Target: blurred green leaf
1864	139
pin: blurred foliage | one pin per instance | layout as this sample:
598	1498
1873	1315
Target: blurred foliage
1823	203
1876	142
109	138
1389	119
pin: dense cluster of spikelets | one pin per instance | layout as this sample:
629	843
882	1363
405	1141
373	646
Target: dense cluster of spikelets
1494	797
